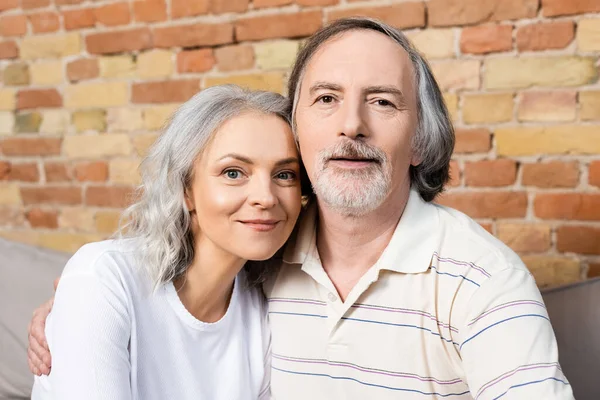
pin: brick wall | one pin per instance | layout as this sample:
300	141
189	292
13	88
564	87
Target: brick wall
86	85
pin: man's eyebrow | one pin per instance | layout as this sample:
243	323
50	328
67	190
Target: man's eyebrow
384	89
325	86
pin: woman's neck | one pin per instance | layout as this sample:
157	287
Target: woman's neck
206	286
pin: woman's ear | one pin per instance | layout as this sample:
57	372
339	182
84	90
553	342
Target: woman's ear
189	200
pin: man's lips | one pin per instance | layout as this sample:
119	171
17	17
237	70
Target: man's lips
353	162
261	225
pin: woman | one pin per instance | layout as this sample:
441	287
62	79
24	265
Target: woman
167	312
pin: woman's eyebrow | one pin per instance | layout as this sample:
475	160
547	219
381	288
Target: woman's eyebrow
285	161
239	157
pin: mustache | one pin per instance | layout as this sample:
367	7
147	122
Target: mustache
353	149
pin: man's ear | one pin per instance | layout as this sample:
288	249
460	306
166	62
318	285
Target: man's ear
415	160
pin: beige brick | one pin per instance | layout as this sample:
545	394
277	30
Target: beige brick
124	119
272	81
155	64
547	106
7	122
563	139
66	242
107	221
590	105
487	108
156	117
117	67
525	237
50	46
86	120
462	74
46	73
78	218
105	94
551	271
95	146
588	35
451	100
55	122
141	143
124	171
434	43
28	236
504	73
7	99
280	54
10	194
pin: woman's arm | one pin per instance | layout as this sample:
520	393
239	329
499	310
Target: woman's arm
88	333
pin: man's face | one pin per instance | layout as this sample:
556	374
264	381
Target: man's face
355	119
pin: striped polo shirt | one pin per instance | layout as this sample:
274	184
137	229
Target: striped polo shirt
448	311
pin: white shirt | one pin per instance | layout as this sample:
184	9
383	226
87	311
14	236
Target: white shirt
447	311
112	338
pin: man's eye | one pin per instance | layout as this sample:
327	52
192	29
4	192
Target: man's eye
384	103
233	174
326	99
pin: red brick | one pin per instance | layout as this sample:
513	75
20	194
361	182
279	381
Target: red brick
572	206
554	174
39	218
270	3
187	8
225	6
4	170
465	12
8	4
31	4
487	204
119	41
165	91
454	173
594	270
66	195
36	98
310	3
524	237
476	140
91	171
234	58
44	22
195	60
113	14
594	173
149	10
79	19
578	239
493	173
278	26
193	35
8	49
109	196
30	146
67	2
543	36
486	39
553	8
403	15
82	69
13	25
57	172
488	226
25	172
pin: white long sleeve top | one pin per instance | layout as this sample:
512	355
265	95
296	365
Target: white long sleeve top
111	338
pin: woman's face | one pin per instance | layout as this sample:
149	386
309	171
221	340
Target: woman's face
245	188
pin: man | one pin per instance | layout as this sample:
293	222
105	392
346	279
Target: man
382	294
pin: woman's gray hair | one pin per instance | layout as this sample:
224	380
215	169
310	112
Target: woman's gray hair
433	142
160	218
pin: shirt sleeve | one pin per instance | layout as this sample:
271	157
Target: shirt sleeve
508	347
89	333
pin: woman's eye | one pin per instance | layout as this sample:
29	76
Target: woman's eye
286	176
233	174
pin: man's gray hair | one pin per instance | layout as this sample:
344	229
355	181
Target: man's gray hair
433	142
160	218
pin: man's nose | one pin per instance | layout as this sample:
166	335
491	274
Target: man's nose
261	192
352	119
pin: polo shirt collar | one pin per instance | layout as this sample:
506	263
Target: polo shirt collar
410	250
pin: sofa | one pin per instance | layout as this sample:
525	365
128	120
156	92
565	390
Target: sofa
27	273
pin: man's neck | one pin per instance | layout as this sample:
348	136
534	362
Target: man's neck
349	245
